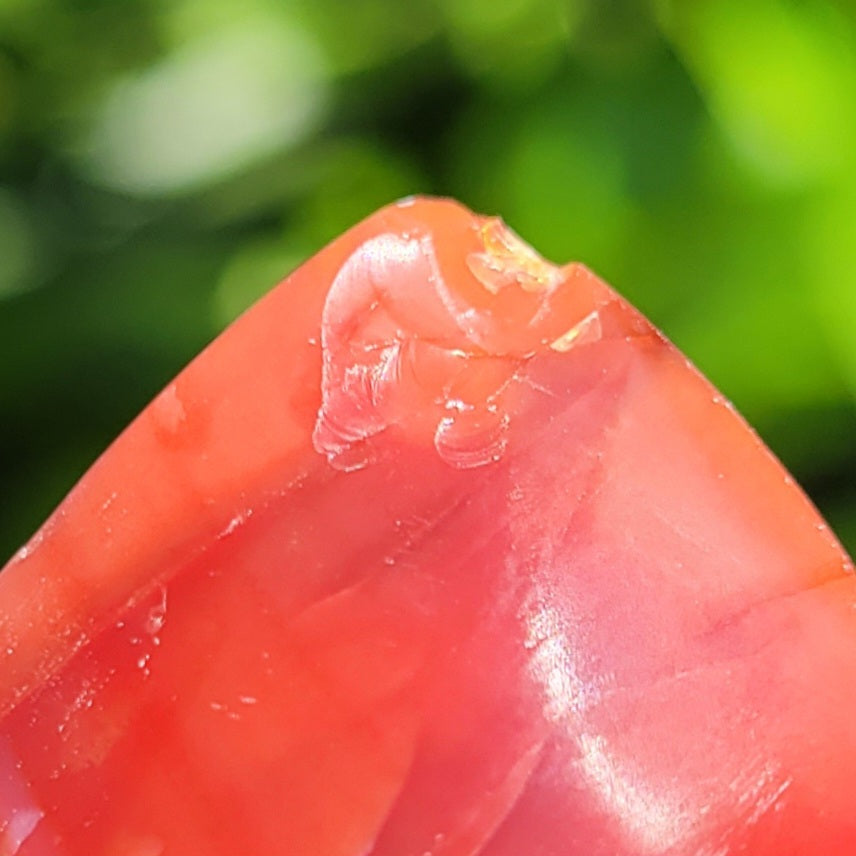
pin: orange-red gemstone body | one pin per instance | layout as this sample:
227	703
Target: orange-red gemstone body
440	549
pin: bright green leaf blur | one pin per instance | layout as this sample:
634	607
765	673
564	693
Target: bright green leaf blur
164	162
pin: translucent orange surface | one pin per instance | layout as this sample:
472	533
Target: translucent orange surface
440	550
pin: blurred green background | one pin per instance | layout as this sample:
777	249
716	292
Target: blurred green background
164	162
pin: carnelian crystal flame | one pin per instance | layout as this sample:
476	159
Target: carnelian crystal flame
440	549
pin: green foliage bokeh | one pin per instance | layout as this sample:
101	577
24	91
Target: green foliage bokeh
164	162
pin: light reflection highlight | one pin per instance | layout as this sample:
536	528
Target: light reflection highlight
652	821
19	813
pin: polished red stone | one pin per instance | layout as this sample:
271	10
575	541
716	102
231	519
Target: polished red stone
440	549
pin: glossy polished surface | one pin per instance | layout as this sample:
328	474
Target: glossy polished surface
440	549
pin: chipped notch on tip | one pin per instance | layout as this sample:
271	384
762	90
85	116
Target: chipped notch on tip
507	259
436	359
